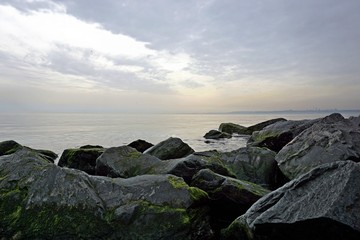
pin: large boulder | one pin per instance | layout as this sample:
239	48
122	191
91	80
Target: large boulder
253	164
229	197
140	145
170	148
327	141
40	200
83	158
277	135
126	162
232	128
320	205
215	134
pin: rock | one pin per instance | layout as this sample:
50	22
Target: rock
141	145
187	167
232	128
83	158
47	154
40	200
9	147
262	125
230	197
322	204
170	148
253	164
91	146
277	135
332	139
215	134
125	162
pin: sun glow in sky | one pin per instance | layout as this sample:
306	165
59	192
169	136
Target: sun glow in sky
179	56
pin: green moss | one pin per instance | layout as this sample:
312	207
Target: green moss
195	193
177	182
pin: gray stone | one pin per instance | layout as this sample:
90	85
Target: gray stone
140	145
39	200
229	197
253	164
329	140
83	158
277	135
232	128
9	147
215	134
170	148
126	162
320	205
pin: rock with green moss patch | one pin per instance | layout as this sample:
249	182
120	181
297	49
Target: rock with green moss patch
39	200
229	197
9	147
319	205
83	158
253	164
277	135
126	162
232	128
170	148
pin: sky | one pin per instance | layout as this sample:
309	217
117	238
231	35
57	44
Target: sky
179	55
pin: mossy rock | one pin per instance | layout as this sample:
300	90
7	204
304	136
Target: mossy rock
232	128
83	158
39	200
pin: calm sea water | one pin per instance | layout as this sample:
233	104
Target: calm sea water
57	132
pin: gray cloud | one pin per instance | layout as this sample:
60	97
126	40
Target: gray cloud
281	43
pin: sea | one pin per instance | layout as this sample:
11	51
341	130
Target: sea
59	131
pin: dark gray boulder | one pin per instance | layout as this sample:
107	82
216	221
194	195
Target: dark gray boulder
170	148
187	167
9	147
320	205
329	140
126	162
232	128
229	197
140	145
277	135
83	158
40	200
215	134
253	164
262	125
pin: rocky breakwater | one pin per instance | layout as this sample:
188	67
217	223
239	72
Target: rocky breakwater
171	192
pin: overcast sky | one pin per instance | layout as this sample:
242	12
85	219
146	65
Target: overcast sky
179	55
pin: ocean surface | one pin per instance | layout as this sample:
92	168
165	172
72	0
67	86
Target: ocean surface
59	131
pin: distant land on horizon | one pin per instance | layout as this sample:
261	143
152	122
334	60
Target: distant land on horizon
290	111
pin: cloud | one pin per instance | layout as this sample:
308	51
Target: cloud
199	53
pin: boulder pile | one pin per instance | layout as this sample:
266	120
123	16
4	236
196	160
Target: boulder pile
293	180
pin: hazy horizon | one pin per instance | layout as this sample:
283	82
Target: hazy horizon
167	56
